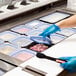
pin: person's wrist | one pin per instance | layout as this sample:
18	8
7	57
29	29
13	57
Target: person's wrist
62	24
56	27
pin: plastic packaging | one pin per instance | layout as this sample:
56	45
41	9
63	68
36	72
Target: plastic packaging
22	41
56	38
54	17
23	54
7	48
67	31
8	35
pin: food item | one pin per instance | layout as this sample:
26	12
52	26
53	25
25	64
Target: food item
39	47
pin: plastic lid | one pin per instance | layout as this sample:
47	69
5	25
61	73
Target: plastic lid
41	39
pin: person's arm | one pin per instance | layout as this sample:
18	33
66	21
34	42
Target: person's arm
66	23
69	22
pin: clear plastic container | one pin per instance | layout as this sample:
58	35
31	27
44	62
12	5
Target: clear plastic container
36	24
54	17
21	29
67	31
22	41
7	48
8	35
34	33
56	38
23	54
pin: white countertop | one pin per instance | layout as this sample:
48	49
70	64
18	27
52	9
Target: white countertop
64	48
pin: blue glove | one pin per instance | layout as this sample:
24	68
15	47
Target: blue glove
70	65
51	29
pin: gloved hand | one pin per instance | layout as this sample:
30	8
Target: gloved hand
51	29
70	65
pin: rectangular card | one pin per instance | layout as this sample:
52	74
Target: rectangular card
55	38
67	31
54	17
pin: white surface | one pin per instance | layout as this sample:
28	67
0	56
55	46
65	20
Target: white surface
65	48
7	13
18	72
